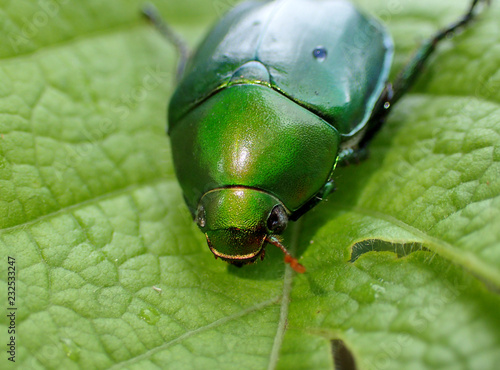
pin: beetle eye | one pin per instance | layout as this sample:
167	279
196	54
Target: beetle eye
277	220
320	53
201	217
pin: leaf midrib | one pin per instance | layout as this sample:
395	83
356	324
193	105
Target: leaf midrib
189	334
285	300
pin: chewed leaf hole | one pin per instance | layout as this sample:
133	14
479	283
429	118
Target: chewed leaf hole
342	356
378	245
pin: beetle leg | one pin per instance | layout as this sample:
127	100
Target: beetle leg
393	92
352	156
377	119
356	150
152	14
328	188
410	72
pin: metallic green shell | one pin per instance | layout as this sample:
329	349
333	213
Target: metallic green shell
252	136
342	89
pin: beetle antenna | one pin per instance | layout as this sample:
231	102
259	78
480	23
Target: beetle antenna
293	262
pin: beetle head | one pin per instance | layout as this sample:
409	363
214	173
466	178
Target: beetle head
239	221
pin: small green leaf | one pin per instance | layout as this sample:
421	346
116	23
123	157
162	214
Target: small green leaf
403	261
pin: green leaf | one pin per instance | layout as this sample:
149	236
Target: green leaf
403	261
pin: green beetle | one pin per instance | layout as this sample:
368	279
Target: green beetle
277	95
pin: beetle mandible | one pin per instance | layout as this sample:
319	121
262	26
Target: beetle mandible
277	96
